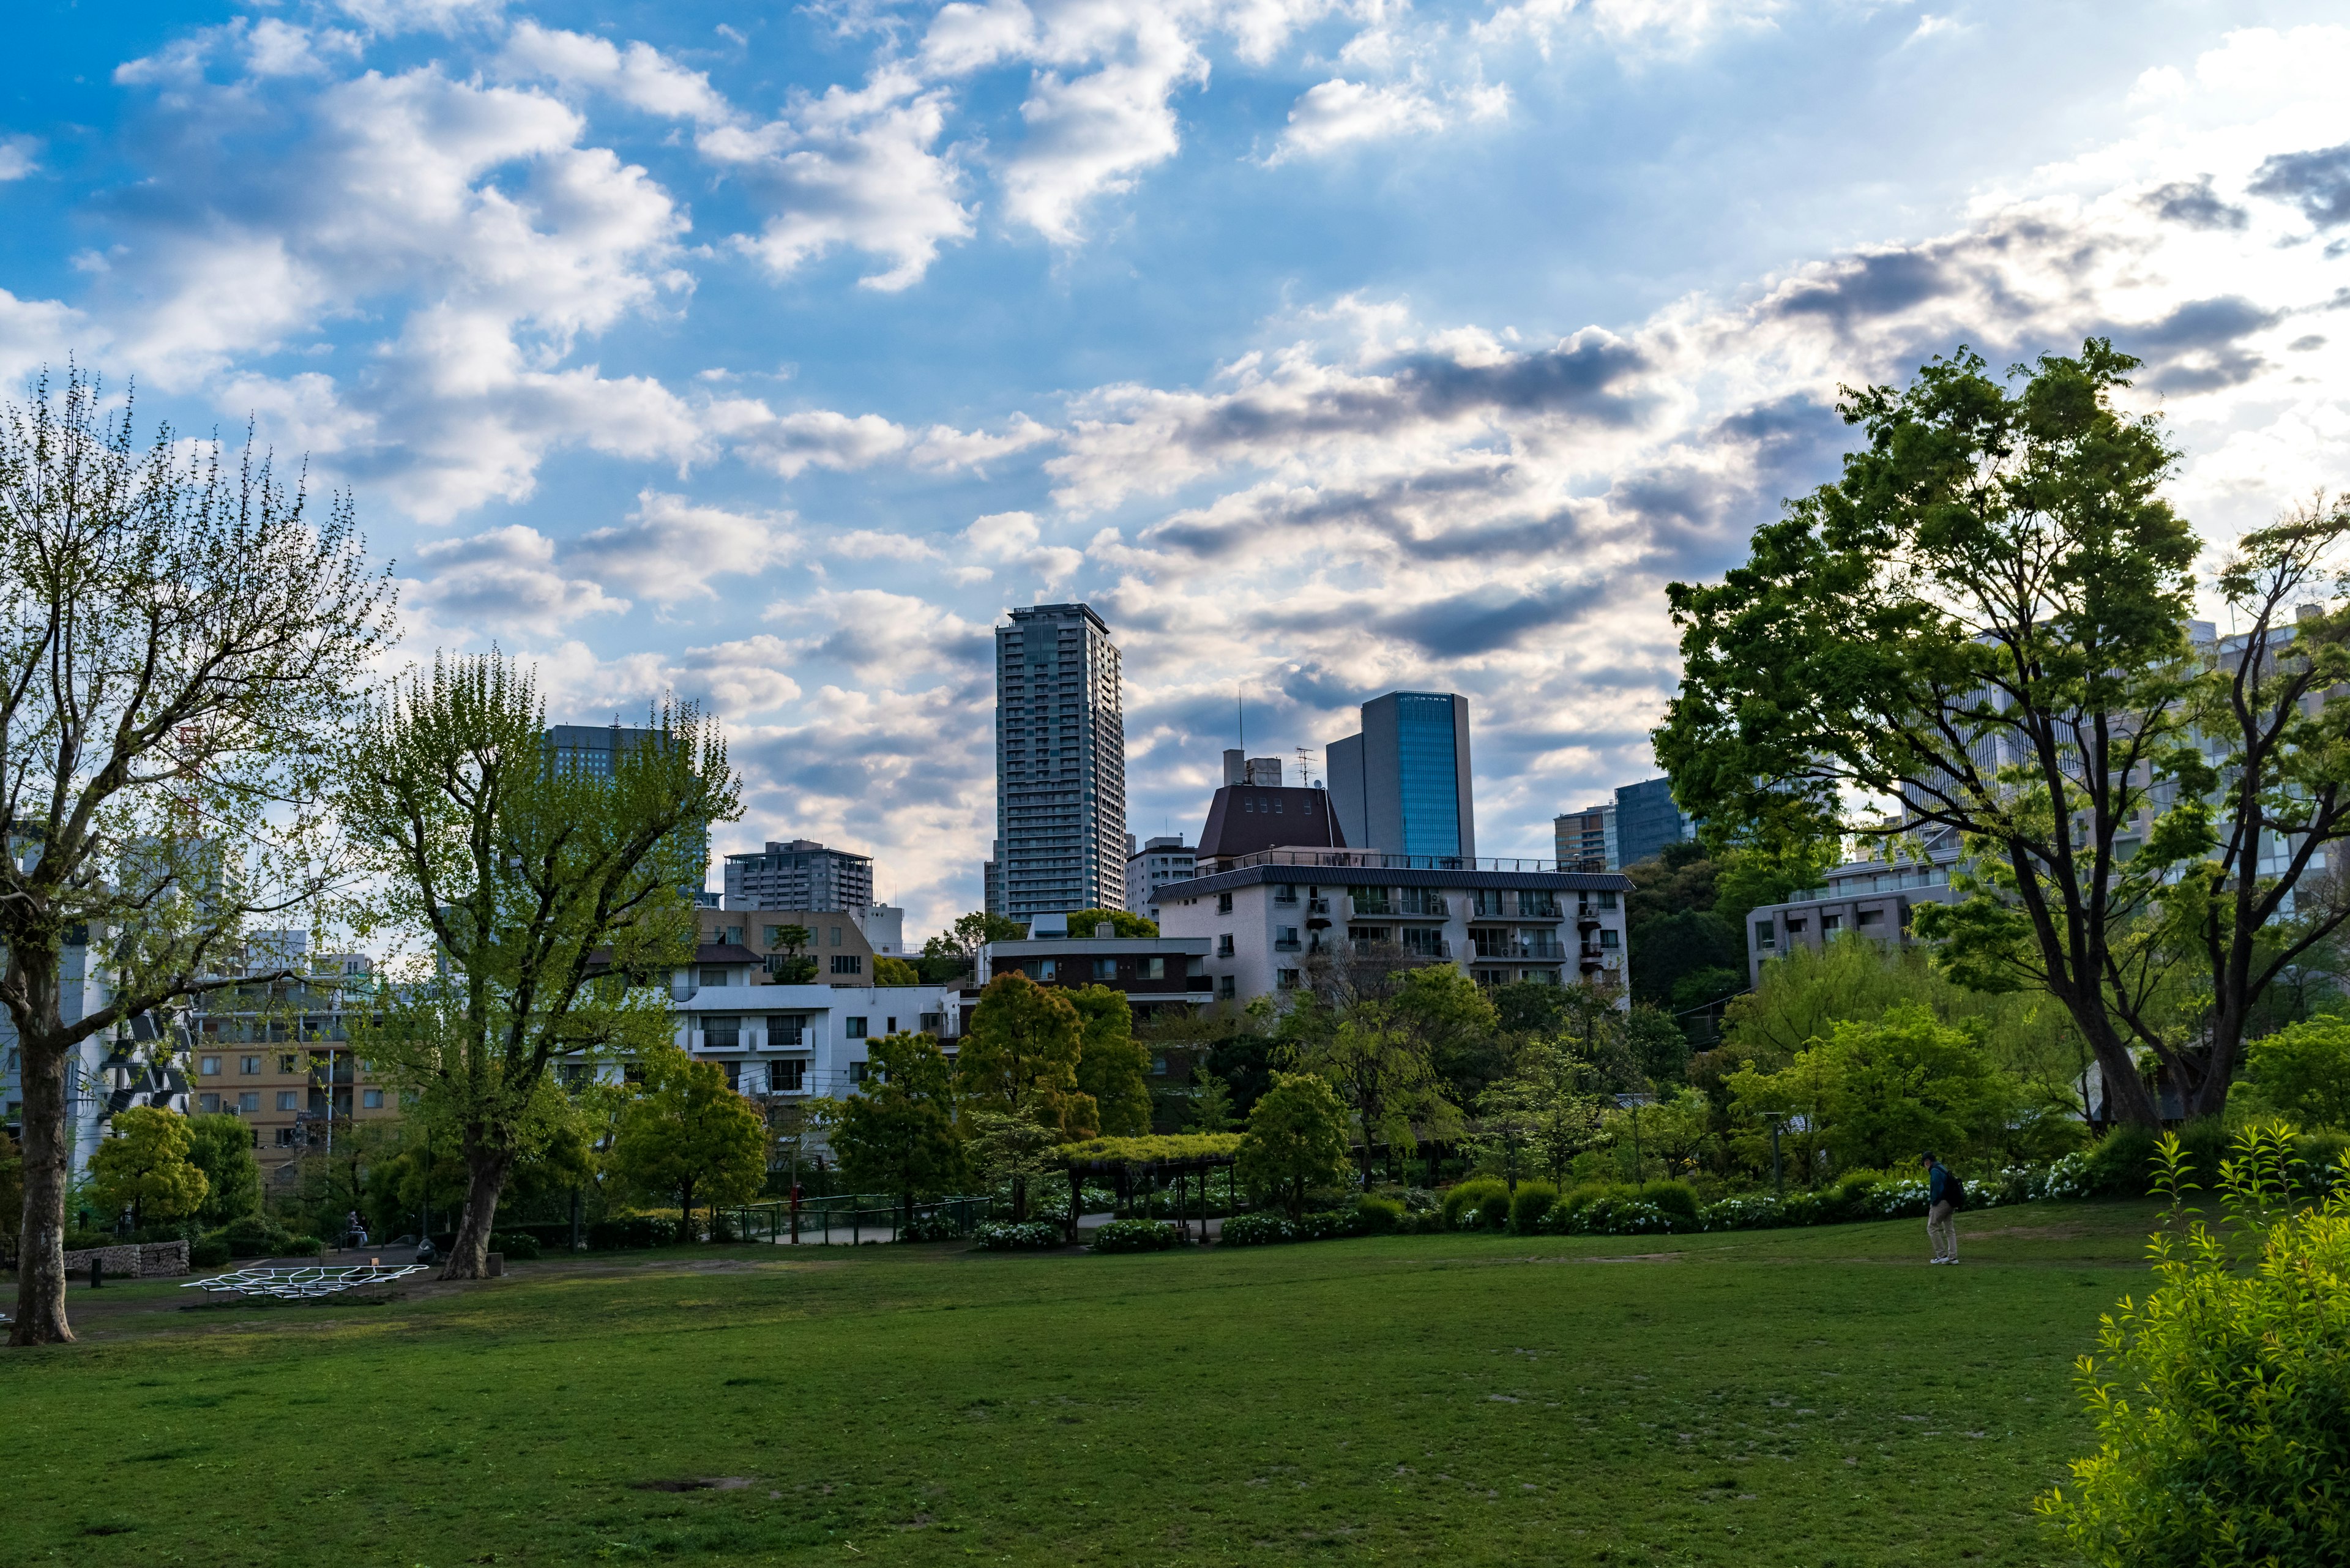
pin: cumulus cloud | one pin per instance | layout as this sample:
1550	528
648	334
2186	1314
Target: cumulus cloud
638	76
1339	113
2317	183
506	578
850	168
669	549
19	156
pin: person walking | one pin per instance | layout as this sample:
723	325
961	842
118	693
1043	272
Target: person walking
1941	1203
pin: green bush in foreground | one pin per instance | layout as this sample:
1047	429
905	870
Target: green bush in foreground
1028	1236
1534	1200
2223	1399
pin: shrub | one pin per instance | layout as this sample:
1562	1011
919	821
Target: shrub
1677	1199
928	1228
2120	1163
211	1252
1030	1236
1378	1216
1534	1200
258	1236
1469	1197
1256	1231
630	1231
1325	1225
518	1246
2223	1400
1134	1236
83	1240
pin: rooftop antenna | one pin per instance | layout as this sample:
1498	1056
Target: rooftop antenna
1242	709
1305	768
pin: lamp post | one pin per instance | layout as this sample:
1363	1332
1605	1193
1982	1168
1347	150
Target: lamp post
1778	1181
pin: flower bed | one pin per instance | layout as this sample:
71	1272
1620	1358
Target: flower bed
1134	1236
1030	1236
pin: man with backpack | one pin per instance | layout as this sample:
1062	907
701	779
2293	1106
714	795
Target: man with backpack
1943	1195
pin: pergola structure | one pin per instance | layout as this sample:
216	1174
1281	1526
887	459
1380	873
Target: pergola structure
1138	1164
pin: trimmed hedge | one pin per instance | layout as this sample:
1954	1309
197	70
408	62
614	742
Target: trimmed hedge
1031	1236
1482	1203
929	1228
630	1232
1134	1236
1534	1200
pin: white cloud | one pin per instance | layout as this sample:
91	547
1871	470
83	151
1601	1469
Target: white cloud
37	332
506	578
1338	113
19	156
669	549
854	170
638	76
944	446
788	444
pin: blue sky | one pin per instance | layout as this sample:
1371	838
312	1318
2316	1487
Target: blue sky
1325	348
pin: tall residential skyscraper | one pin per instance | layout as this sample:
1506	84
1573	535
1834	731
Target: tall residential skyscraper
1060	763
1402	785
590	748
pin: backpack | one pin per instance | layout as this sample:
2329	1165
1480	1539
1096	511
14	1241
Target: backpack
1954	1191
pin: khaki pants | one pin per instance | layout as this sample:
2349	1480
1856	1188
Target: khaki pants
1942	1231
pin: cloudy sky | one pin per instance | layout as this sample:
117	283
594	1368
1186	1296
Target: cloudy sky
768	355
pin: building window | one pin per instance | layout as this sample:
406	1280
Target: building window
785	1029
284	1138
1371	900
1537	903
1284	940
1105	969
848	963
1608	939
1794	925
1425	941
211	1103
1287	979
856	1072
710	977
855	1026
289	1062
1223	903
1224	945
720	1033
371	1099
1150	969
209	1067
575	1076
1486	903
1286	894
786	1077
1765	936
1829	923
249	1066
835	936
1226	987
1607	899
286	1100
1423	901
249	1101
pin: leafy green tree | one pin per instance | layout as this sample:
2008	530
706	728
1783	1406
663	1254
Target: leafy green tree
1296	1141
688	1137
2220	1399
143	1166
552	900
1019	1056
888	971
183	642
1211	1110
1878	1094
1548	1106
970	932
1113	1067
899	1136
2304	1070
1121	924
1380	1053
221	1148
1014	1152
1986	619
793	967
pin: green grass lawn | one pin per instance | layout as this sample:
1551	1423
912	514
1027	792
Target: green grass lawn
1811	1397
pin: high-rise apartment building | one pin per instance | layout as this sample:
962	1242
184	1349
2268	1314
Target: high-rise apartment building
1159	862
591	748
1646	820
1060	763
1401	786
799	873
1585	840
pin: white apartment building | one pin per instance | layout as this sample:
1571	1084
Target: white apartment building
1159	862
1501	921
806	1040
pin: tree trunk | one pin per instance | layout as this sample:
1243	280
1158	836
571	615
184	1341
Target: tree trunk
468	1254
685	1236
41	1249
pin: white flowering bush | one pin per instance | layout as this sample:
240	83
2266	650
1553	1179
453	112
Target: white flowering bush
1033	1236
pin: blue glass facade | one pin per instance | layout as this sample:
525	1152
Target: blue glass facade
1427	774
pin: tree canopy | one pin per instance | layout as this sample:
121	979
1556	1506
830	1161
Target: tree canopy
1296	1141
688	1137
1019	1056
1113	1067
899	1136
143	1167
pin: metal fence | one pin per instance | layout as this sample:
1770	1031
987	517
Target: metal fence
847	1218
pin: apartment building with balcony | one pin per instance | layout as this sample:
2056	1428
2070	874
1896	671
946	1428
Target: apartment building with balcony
799	873
1501	921
1157	974
278	1053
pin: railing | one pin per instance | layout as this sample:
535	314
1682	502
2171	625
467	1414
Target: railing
1289	945
850	1218
1546	952
1379	860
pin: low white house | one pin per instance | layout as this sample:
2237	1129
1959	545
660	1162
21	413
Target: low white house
806	1039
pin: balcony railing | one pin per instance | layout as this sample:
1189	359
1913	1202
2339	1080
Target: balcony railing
1379	860
1540	952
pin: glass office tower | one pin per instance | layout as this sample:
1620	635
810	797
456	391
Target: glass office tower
1402	785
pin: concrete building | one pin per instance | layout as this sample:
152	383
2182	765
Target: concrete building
1159	862
1156	973
1245	819
1402	785
1500	920
1060	762
1646	820
991	882
799	873
1866	897
83	989
278	1053
1586	838
884	926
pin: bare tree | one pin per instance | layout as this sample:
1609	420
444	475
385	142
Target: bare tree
179	651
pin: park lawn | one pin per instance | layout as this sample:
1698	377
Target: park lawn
1807	1396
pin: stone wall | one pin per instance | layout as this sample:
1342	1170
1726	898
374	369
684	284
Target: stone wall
133	1261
